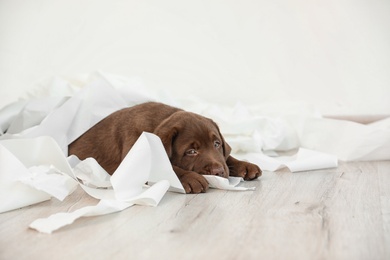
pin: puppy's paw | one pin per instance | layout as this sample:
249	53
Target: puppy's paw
246	170
194	182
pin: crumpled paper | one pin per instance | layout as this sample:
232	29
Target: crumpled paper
265	127
350	141
33	151
246	131
126	186
288	127
31	171
30	179
62	110
303	160
226	183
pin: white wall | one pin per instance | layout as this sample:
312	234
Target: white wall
335	54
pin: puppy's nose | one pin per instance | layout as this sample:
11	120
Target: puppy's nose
217	171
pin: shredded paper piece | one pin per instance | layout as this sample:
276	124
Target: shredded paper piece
226	184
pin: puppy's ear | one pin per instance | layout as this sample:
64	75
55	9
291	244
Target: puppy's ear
167	130
226	147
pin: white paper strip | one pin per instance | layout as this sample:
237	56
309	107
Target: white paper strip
151	197
146	157
348	140
304	160
226	184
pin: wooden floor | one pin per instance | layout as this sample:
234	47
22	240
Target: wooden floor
341	213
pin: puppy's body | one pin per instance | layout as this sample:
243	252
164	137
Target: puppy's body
193	143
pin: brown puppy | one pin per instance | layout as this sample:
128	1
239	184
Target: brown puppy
193	143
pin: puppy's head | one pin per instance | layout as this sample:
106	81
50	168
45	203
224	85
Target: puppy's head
194	143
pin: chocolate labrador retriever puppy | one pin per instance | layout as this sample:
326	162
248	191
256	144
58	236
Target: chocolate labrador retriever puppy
193	143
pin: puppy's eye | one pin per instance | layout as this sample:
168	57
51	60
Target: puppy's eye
217	144
191	152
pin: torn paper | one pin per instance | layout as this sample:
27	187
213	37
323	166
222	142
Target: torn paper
65	109
303	160
248	129
146	160
350	141
266	128
32	171
226	183
150	197
69	117
127	183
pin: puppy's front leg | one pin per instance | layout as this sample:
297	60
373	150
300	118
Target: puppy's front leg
192	182
246	170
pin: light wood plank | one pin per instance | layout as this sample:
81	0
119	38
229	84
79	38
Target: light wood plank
341	213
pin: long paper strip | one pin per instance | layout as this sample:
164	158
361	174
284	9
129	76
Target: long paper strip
147	157
304	160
